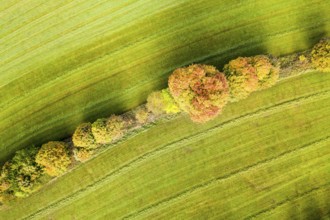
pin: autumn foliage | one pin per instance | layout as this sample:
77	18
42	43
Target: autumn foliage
199	90
321	55
20	176
54	157
83	136
109	129
248	74
141	114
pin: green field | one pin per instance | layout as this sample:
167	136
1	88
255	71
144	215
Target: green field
66	62
265	157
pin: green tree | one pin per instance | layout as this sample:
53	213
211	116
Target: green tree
199	90
21	175
54	157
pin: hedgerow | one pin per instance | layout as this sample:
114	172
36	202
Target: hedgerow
54	157
321	55
199	90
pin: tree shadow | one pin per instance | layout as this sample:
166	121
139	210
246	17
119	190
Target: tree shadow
308	209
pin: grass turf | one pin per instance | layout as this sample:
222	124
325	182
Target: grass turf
64	62
265	157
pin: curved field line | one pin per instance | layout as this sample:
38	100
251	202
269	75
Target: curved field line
214	181
50	83
152	36
77	28
19	3
53	25
141	159
288	200
33	21
251	21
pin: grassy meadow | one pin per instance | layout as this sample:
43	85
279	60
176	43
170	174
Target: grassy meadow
64	62
266	157
67	62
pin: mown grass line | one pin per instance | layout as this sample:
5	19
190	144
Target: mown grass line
43	109
222	178
146	39
14	28
296	84
267	214
224	214
112	13
145	170
319	188
131	44
321	167
134	50
141	159
33	21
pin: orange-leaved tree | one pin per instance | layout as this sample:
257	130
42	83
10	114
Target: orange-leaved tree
199	90
248	74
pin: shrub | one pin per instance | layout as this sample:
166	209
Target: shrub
321	55
22	174
54	157
83	136
107	130
141	114
161	102
248	74
199	90
82	154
